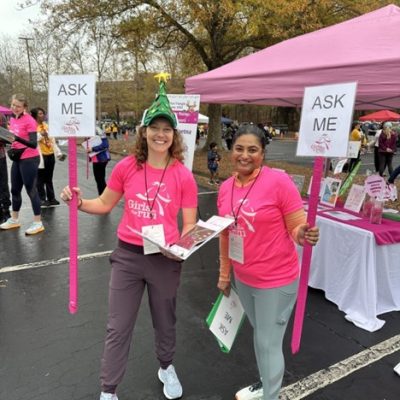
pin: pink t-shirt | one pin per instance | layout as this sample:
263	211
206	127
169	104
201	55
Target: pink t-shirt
21	127
270	258
177	190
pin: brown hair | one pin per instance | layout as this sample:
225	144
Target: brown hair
140	150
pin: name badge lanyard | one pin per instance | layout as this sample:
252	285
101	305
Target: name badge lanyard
158	189
235	216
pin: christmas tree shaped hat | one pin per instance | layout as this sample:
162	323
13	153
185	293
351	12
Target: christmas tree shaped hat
160	106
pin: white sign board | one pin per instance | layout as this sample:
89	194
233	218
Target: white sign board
325	120
355	198
353	149
186	108
72	105
227	319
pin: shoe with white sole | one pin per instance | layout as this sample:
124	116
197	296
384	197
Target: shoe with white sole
36	227
108	396
10	224
252	392
172	386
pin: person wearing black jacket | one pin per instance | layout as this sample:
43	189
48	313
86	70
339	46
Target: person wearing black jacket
5	201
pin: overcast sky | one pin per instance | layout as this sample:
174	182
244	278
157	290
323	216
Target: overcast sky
14	22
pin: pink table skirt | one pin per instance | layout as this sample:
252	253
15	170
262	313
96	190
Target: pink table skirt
388	232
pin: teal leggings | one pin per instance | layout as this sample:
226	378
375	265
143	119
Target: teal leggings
269	311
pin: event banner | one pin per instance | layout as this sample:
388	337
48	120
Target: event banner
325	120
186	108
72	105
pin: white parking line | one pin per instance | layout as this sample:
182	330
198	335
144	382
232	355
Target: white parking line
212	192
46	263
312	383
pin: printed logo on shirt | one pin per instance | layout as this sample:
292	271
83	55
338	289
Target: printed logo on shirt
140	208
245	218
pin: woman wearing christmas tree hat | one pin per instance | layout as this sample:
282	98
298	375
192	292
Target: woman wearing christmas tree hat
155	186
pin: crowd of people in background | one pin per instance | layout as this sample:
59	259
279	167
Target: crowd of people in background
383	138
116	130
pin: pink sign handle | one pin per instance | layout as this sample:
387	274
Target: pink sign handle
73	229
307	253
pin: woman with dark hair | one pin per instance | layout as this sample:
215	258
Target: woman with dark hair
25	163
155	186
261	248
48	148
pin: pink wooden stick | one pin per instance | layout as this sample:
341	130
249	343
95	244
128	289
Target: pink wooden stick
307	253
73	229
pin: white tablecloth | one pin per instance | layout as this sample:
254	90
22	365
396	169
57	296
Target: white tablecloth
362	278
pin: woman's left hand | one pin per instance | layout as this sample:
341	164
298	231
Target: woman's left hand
309	235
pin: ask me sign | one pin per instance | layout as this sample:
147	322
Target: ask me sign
326	120
72	105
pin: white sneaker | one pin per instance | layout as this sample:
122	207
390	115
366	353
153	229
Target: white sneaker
108	396
397	369
172	386
252	392
36	227
10	224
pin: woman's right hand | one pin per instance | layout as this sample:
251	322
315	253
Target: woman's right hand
224	287
67	194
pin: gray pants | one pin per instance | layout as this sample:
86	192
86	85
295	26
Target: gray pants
130	274
269	311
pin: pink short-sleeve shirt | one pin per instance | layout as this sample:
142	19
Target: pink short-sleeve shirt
177	190
21	127
270	257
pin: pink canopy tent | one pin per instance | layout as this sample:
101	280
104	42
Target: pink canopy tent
381	116
5	110
365	49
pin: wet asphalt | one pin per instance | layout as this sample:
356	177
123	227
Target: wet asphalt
48	354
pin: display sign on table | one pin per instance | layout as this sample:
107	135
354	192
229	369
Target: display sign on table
355	198
330	191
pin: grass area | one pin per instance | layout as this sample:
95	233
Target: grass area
121	147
